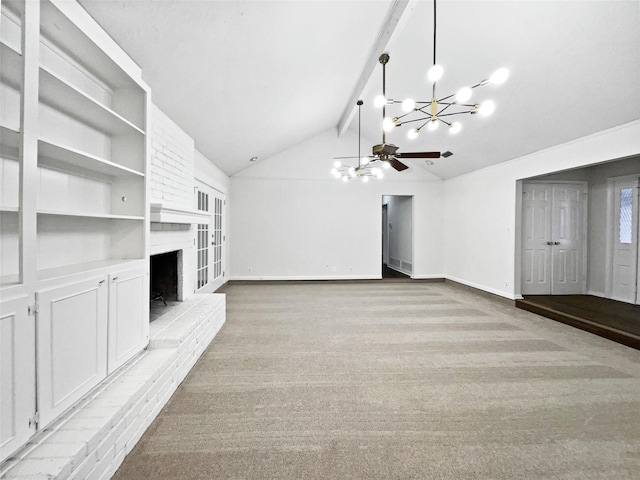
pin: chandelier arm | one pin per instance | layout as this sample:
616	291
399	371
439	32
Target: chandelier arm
428	119
456	113
480	84
406	114
470	105
440	100
442	110
420	127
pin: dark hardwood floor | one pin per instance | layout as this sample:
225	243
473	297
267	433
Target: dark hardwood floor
617	321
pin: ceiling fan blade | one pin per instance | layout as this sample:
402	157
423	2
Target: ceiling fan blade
397	164
418	155
370	157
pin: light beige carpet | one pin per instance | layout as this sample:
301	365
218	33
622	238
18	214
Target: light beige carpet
396	380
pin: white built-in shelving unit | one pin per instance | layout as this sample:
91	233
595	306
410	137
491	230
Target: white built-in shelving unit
74	214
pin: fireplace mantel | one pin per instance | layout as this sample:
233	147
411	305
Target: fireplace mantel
161	213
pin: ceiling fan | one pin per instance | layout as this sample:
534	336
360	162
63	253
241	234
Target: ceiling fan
388	152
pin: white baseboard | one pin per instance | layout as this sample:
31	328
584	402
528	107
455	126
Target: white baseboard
267	278
500	293
429	276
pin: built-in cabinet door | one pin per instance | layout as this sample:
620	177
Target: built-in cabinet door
72	344
128	316
17	374
553	239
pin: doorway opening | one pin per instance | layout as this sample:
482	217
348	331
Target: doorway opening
608	303
554	238
623	270
211	237
397	236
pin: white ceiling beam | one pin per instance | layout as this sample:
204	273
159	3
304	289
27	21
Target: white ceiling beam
397	16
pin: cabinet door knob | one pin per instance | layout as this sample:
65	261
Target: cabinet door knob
556	243
100	283
114	279
549	243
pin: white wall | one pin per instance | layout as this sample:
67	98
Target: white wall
290	219
480	234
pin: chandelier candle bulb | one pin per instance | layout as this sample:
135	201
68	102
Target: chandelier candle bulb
435	73
455	127
408	105
433	124
388	124
413	133
486	108
463	94
379	101
499	76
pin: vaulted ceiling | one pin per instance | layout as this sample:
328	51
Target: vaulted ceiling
253	78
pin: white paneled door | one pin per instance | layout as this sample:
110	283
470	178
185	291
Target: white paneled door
127	303
72	344
624	240
554	238
17	374
211	240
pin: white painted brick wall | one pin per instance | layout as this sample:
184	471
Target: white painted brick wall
172	162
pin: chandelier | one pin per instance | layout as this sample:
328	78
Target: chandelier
367	166
431	113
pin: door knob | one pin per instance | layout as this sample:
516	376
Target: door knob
549	243
556	243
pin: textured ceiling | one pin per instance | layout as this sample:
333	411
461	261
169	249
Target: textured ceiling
254	78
